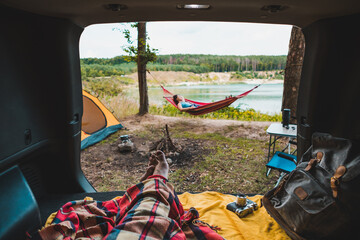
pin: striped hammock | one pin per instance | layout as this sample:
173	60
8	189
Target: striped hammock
206	107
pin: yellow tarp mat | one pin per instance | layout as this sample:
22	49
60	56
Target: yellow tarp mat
212	210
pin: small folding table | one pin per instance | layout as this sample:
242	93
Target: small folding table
284	162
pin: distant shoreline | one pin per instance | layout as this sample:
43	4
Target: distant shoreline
171	78
246	81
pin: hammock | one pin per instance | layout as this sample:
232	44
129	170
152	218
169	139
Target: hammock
206	107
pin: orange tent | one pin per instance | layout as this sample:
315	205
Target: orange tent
97	121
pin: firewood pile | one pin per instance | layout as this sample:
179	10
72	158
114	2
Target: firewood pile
166	144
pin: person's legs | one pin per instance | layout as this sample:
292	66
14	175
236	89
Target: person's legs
148	210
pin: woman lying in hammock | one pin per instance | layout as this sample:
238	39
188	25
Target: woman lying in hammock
182	104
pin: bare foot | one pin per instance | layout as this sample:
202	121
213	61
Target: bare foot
162	168
148	173
150	170
153	160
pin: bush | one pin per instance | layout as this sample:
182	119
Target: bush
103	86
178	68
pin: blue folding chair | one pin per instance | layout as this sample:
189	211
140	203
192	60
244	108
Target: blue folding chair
282	162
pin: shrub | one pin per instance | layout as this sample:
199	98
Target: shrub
103	86
231	113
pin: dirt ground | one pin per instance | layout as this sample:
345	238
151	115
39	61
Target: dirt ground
251	130
205	149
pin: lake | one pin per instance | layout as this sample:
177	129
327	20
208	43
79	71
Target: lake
266	98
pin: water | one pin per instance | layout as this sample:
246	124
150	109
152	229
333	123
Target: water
266	98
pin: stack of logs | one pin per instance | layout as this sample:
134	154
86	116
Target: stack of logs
166	144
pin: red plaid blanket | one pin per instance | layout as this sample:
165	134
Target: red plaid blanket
148	210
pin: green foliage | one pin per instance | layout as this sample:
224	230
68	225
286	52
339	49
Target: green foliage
257	75
147	55
200	63
279	75
106	86
96	70
229	63
225	113
178	68
244	75
103	61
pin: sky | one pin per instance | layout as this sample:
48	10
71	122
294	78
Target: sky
216	38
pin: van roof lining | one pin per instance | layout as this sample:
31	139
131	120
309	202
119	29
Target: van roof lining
87	12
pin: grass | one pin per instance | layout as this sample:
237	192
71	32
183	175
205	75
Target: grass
232	166
121	105
112	138
217	161
225	113
109	180
228	165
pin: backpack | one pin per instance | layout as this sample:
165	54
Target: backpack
320	199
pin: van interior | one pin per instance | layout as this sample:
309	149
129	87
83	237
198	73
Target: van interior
41	92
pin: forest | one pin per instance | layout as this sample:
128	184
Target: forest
196	63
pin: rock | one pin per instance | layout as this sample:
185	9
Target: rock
142	148
176	153
143	154
169	161
126	146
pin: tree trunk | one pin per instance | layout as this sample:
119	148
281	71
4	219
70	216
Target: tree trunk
293	68
141	66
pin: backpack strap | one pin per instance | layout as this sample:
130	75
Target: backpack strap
313	162
335	180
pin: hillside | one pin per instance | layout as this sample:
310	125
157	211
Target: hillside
188	78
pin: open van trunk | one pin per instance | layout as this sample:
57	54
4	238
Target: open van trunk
41	96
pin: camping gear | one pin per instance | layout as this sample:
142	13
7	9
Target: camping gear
126	144
242	206
97	121
124	138
320	198
276	161
204	108
241	200
283	162
286	118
